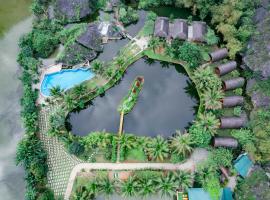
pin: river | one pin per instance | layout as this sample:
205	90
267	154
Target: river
14	22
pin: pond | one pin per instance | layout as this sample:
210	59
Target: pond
167	102
65	79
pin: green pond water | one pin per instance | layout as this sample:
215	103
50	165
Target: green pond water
14	22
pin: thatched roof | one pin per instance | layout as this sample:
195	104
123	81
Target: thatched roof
232	101
109	30
75	54
225	142
219	54
233	122
91	38
199	29
72	10
161	27
179	29
226	68
258	100
232	84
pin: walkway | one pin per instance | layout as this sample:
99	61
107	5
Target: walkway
60	163
197	157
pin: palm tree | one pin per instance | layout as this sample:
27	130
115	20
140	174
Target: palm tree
107	186
56	91
183	179
181	144
80	90
120	61
97	66
129	187
127	141
93	187
146	187
154	43
208	122
212	97
158	149
166	185
69	102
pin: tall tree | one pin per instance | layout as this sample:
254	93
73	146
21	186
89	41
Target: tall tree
181	144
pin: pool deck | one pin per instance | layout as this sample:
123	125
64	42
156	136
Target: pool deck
44	71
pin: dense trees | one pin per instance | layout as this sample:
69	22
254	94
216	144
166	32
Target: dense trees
232	18
128	15
141	184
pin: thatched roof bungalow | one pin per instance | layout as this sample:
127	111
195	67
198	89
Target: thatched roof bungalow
178	29
219	54
161	27
91	38
232	84
199	29
225	142
232	101
72	10
233	122
225	68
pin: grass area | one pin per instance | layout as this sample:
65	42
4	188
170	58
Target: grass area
136	155
148	29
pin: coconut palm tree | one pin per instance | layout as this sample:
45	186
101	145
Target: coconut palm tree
181	144
129	187
107	186
212	97
183	179
93	187
97	66
80	90
120	61
158	149
146	187
69	102
166	185
56	91
208	122
127	141
154	43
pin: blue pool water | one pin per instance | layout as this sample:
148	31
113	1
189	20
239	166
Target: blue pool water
66	79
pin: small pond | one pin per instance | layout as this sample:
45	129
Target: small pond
66	79
167	102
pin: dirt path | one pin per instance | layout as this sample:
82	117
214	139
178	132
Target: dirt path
198	156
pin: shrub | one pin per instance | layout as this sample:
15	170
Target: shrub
76	148
211	38
128	15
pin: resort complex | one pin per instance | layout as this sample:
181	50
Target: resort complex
145	100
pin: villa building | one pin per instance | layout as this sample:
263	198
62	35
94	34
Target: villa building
179	29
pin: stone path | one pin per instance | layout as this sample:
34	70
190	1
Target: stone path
60	163
198	156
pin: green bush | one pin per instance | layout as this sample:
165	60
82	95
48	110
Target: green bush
128	15
76	148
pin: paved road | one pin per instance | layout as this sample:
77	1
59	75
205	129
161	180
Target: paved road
198	156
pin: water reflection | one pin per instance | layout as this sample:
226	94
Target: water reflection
163	105
11	177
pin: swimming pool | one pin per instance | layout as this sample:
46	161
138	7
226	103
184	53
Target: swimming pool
66	79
